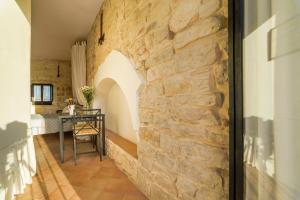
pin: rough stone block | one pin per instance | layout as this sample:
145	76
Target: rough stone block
183	12
146	116
158	193
203	154
169	142
202	82
208	7
166	163
203	50
146	154
159	54
144	180
161	71
154	90
209	100
160	10
201	175
150	135
153	74
166	182
197	30
190	114
124	161
186	188
177	84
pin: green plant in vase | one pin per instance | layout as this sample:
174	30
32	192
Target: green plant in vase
88	93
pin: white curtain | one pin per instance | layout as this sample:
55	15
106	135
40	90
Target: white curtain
78	61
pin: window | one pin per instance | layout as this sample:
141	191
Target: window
42	94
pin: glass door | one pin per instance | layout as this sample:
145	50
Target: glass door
271	99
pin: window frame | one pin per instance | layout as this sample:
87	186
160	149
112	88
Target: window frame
236	125
42	102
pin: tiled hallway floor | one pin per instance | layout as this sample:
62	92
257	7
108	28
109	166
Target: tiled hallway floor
90	179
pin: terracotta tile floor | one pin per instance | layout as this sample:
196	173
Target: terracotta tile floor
90	179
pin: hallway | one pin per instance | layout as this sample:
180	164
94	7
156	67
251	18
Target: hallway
90	179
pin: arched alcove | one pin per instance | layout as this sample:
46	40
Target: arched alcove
116	77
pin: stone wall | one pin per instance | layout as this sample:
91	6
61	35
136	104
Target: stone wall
45	71
180	48
123	160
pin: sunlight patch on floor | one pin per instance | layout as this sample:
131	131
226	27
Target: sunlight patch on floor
89	179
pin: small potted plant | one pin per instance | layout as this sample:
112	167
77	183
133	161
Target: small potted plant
89	94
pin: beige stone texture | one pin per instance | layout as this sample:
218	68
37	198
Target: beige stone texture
199	29
180	48
45	71
183	13
208	7
124	161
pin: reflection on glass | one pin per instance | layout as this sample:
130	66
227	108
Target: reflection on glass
271	71
37	93
46	93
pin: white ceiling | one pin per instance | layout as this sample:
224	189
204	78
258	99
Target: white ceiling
57	24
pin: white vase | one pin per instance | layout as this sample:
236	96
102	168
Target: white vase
71	109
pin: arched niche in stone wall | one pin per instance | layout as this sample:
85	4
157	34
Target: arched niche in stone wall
117	69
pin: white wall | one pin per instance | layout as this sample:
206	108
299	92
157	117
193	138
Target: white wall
14	62
285	55
118	115
258	74
117	69
16	145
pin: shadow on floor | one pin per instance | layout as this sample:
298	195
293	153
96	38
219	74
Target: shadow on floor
89	179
